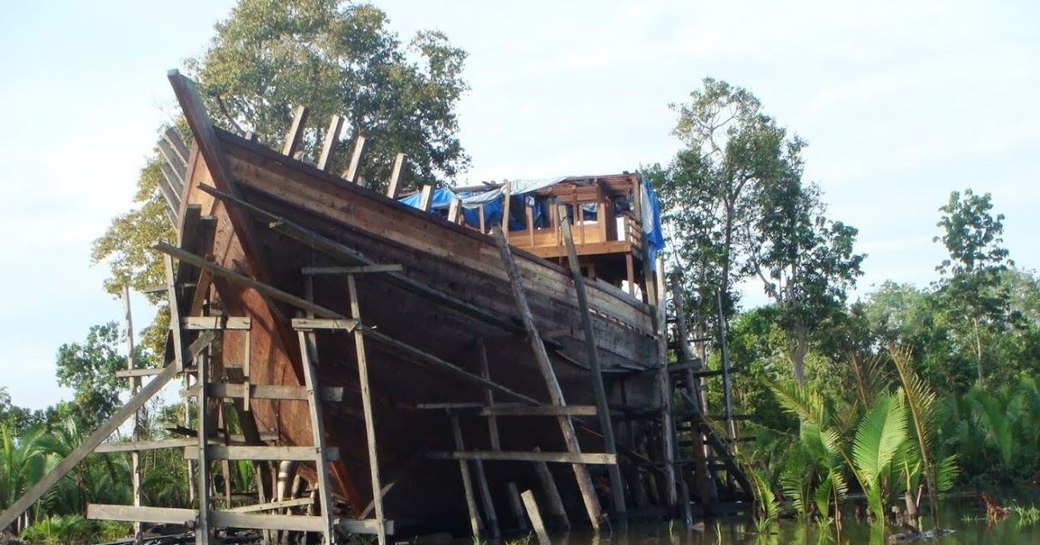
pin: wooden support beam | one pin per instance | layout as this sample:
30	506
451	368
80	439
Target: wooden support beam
581	474
485	500
366	404
552	494
329	145
203	531
86	447
311	324
669	496
591	352
424	358
271	506
508	409
475	524
525	456
294	137
351	174
309	359
489	395
343	253
362	269
241	279
139	372
225	390
158	515
199	323
536	518
249	452
516	504
426	198
395	176
145	445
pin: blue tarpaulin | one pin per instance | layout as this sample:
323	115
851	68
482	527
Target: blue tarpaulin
492	201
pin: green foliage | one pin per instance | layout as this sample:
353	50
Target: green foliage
338	59
60	530
880	442
89	369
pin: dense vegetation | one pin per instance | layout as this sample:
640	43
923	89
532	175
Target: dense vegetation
888	393
902	390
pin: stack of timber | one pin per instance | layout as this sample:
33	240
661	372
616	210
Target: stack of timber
405	370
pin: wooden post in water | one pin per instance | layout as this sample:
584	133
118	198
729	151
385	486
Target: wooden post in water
536	518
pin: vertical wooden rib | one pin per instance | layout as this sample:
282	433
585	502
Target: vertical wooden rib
295	135
395	176
329	145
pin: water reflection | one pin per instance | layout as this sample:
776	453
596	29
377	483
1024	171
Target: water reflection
969	528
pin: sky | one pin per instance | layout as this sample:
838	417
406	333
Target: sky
901	103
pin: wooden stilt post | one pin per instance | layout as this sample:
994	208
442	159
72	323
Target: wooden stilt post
135	387
617	486
518	507
496	445
536	517
203	533
309	357
467	483
669	494
581	473
552	494
366	399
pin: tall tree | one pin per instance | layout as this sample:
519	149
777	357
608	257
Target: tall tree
971	281
337	58
736	206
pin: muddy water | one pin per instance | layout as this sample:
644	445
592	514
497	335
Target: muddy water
964	519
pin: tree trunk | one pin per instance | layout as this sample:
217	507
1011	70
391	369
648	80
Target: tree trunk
978	348
801	348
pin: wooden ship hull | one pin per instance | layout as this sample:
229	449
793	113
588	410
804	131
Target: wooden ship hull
272	218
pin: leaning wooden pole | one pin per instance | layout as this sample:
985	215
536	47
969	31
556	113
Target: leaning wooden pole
86	447
602	408
581	473
135	386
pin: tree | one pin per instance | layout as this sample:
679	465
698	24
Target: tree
271	55
90	370
971	283
736	206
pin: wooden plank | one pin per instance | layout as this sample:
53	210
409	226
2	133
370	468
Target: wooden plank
270	391
244	280
139	372
344	253
309	324
267	521
362	269
250	452
581	474
294	137
145	445
329	145
197	323
271	506
173	139
158	515
395	176
421	357
177	168
86	447
526	456
541	410
366	403
536	518
475	524
351	174
365	526
596	376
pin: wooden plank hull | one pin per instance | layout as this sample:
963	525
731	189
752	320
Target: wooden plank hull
460	263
